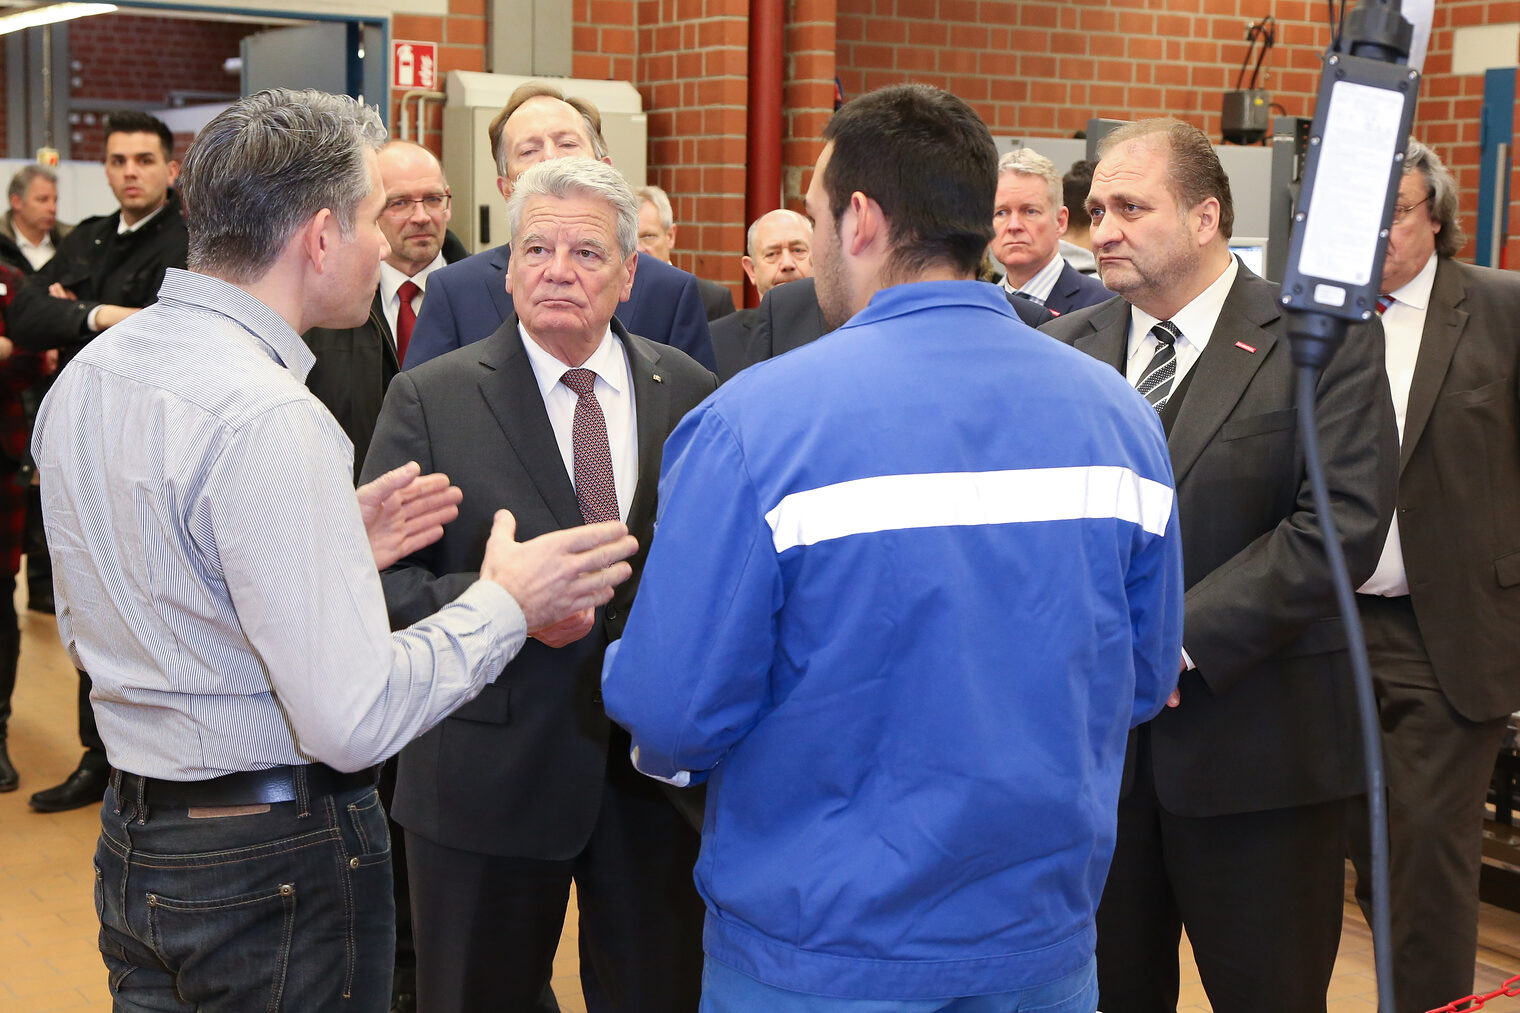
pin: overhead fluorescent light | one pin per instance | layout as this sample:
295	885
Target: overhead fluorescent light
50	14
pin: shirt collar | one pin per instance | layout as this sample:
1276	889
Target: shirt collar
122	228
1196	320
206	294
1416	291
1044	280
391	279
605	362
24	243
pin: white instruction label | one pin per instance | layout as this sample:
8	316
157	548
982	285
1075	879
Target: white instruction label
1361	135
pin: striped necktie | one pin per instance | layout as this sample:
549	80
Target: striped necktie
1160	374
1384	301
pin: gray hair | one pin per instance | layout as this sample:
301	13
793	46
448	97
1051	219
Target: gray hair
655	196
22	181
579	177
754	227
1028	162
1443	197
264	166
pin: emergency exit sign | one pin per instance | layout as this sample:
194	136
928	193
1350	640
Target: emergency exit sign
414	65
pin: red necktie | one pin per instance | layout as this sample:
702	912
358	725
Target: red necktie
406	318
593	460
1384	301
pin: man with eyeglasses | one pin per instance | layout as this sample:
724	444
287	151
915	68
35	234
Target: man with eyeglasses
1442	610
355	364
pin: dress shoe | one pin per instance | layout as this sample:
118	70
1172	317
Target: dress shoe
84	786
8	777
403	1002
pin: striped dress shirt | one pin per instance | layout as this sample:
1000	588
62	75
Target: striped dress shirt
212	570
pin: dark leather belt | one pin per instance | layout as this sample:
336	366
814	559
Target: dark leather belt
251	787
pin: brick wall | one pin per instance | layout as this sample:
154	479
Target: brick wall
692	69
1042	67
461	39
1450	106
129	58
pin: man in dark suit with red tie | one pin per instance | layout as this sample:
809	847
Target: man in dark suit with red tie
355	364
558	415
1233	820
1442	612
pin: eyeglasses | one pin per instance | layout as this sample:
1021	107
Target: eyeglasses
433	203
1401	213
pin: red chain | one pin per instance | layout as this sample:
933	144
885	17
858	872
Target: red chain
1510	987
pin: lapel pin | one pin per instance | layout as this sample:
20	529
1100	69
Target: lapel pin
1249	348
657	378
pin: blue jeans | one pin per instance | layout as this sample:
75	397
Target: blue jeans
725	990
263	911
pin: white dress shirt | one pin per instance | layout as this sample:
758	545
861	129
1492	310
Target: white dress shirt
1196	321
1403	324
614	391
36	254
391	281
1038	287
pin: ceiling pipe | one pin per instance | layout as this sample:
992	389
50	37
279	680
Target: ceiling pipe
767	67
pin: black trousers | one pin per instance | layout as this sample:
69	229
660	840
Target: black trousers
1437	765
1260	894
10	650
486	927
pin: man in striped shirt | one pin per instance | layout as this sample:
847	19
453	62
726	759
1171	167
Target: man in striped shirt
214	575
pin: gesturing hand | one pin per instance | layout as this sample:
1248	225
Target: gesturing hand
405	510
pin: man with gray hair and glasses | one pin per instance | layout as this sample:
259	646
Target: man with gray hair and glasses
217	575
1442	611
560	415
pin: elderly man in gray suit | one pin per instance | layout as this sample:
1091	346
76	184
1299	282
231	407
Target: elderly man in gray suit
1442	612
560	415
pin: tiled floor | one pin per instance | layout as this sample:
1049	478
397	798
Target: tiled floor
48	959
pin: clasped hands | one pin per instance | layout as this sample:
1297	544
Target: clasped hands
558	579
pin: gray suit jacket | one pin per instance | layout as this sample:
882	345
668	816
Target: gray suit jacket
519	770
1267	718
1459	488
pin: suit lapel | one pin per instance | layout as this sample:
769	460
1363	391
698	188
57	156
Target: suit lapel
1109	340
387	339
651	405
1224	370
1444	323
501	256
511	392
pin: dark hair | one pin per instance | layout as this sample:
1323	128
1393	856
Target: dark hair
928	159
130	121
1193	170
1074	188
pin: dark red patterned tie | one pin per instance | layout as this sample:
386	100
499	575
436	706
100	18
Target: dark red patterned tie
406	318
593	460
